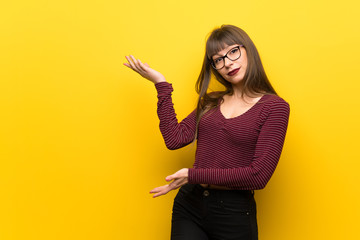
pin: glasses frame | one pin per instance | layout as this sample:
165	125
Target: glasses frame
226	56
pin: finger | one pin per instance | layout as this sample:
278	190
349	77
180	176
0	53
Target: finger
146	64
130	64
136	64
131	60
155	190
171	177
142	66
176	183
160	193
128	59
179	174
158	189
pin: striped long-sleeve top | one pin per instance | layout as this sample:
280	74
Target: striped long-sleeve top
240	152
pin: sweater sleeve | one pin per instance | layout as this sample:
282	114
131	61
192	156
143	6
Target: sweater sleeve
175	134
267	153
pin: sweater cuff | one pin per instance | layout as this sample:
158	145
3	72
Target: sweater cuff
191	176
205	176
163	88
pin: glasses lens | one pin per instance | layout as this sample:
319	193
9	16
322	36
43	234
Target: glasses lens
234	54
218	63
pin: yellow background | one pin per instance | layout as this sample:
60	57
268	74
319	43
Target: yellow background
79	141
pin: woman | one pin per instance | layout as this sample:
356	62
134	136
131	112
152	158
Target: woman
240	134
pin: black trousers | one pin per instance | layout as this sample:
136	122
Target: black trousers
209	214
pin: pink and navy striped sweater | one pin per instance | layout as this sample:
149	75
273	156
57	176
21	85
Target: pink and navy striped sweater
240	153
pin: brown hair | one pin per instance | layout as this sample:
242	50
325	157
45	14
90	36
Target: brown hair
255	80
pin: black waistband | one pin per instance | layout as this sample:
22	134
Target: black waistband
234	192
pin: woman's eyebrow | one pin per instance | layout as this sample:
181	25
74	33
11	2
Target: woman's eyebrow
223	54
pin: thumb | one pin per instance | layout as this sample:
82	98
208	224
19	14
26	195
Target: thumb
170	177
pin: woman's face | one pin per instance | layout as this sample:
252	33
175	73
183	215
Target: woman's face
233	71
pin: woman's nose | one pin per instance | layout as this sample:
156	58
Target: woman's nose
227	62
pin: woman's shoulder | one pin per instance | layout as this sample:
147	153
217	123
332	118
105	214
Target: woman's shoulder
272	101
272	98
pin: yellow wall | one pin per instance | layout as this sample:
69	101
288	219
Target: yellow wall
79	141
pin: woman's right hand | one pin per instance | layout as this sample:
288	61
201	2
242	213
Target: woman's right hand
144	70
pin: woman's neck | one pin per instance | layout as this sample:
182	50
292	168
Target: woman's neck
237	91
240	94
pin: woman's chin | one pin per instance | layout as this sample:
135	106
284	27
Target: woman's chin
235	81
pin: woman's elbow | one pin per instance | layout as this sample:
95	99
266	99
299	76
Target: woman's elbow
172	145
260	186
261	183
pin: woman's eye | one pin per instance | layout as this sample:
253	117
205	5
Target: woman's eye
218	60
234	50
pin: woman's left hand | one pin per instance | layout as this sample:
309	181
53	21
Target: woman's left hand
180	178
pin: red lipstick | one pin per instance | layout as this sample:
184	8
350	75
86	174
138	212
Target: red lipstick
233	72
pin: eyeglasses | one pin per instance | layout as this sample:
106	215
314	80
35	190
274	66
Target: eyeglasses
232	55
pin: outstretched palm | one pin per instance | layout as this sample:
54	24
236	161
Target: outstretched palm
144	70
